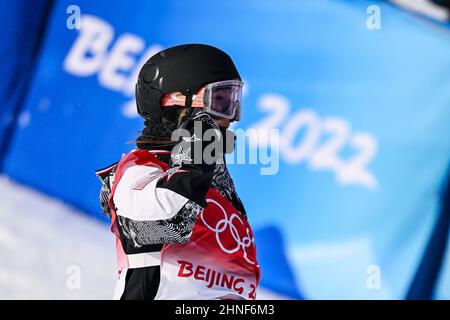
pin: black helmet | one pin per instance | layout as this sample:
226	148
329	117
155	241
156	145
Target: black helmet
185	68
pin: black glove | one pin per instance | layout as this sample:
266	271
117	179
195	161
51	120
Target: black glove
200	142
106	175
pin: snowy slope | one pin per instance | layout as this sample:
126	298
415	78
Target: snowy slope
49	250
44	244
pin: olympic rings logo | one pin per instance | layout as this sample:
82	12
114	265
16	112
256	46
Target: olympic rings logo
227	224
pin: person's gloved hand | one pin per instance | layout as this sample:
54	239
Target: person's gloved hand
106	176
200	142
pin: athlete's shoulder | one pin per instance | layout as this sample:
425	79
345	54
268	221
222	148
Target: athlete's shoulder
140	157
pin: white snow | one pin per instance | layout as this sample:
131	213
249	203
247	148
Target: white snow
49	250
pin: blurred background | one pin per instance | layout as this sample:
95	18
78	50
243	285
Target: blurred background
359	204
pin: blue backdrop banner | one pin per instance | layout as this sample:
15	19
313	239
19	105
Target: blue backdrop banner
22	23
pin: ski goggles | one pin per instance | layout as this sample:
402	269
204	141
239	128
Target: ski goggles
223	99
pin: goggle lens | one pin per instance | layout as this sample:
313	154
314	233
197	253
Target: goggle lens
226	98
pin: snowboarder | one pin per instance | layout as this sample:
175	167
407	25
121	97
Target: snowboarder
181	229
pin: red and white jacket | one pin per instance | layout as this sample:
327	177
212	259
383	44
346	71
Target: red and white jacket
198	236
